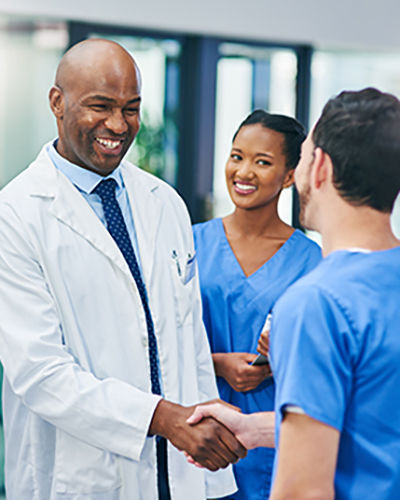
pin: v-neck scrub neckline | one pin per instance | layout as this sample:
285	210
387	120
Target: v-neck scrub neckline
225	243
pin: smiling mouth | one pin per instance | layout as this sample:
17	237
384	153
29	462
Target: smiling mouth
108	143
244	188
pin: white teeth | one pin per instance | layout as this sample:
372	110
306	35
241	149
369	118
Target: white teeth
108	143
245	187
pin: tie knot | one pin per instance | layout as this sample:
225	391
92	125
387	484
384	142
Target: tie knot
106	189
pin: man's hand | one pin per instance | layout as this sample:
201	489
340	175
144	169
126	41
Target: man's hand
210	443
234	367
256	429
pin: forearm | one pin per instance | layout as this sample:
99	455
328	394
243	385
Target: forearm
108	414
218	360
312	494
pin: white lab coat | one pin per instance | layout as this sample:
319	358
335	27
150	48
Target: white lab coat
73	341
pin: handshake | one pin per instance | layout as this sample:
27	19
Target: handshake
216	434
212	435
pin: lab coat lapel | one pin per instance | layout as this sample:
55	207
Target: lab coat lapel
146	210
70	208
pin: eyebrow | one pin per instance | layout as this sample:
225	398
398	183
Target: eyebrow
257	154
108	99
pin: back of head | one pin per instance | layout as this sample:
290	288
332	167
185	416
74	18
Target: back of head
360	131
293	132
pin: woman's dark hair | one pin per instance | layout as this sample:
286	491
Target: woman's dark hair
293	132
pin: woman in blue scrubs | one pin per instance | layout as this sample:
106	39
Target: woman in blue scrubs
246	261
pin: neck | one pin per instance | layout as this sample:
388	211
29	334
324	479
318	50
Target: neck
255	223
347	226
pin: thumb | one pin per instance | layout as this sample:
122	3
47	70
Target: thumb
249	357
199	413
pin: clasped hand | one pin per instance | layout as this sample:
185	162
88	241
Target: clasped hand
209	442
252	430
236	369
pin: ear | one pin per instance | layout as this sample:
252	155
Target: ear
57	101
322	168
288	179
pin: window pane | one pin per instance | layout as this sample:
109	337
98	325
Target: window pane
30	52
233	103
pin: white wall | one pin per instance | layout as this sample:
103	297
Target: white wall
325	23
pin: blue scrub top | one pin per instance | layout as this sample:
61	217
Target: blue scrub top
335	350
234	311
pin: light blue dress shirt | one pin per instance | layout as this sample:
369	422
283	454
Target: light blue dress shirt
86	180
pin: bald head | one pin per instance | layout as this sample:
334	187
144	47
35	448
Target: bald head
96	101
90	58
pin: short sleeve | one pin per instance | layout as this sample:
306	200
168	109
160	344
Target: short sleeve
312	354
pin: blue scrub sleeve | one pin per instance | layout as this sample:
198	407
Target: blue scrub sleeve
313	351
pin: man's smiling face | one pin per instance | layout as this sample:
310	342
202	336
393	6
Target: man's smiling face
97	106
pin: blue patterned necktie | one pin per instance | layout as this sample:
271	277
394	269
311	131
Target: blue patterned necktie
117	228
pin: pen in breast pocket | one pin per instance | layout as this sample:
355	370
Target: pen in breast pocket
178	267
190	258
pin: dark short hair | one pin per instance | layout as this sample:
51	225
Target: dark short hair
360	131
293	132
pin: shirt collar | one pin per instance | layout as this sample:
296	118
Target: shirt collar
85	180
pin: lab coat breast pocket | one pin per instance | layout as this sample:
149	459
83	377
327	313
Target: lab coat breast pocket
182	269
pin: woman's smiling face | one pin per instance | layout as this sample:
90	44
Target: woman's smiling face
256	169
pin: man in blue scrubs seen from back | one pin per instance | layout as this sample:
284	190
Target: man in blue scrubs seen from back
335	334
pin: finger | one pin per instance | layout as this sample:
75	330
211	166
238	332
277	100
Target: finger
206	410
262	347
211	459
260	370
255	376
224	403
219	455
220	447
192	461
231	420
262	350
249	357
199	413
230	448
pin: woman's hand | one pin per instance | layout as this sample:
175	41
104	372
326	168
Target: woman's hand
263	343
234	367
